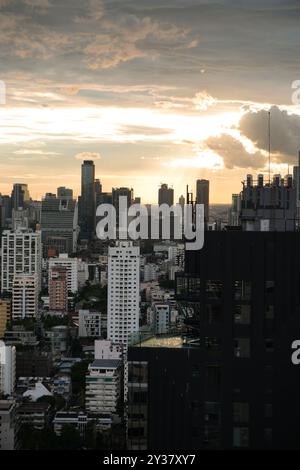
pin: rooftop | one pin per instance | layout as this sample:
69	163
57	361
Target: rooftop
106	363
161	342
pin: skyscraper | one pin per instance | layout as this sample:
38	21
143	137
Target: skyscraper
20	195
116	194
98	192
87	211
59	221
165	195
63	192
123	291
202	197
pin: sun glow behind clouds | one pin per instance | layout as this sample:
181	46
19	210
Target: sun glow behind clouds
110	124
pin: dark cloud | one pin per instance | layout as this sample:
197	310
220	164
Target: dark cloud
234	153
285	132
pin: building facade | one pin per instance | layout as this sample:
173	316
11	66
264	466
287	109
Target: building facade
123	291
25	296
21	253
7	369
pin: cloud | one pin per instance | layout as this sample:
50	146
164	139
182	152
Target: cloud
234	154
203	101
285	132
88	156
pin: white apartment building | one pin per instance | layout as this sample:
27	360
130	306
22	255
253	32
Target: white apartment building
105	349
71	265
21	253
8	425
25	296
7	369
123	291
89	324
103	386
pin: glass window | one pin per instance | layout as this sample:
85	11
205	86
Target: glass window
212	343
212	314
241	412
242	290
240	437
242	314
242	347
214	290
268	410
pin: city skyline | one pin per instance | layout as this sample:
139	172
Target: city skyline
160	93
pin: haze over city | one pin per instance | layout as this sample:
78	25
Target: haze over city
161	91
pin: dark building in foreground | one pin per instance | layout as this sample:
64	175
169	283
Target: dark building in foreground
232	383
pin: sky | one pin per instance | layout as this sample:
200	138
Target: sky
155	91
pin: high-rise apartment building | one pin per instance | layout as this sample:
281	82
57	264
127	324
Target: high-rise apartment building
202	197
227	382
25	296
7	369
71	265
59	225
123	291
20	254
165	195
58	289
87	210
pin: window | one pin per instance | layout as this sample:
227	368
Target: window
242	314
213	343
242	347
268	410
241	412
213	377
195	371
242	290
212	314
240	437
214	290
268	434
269	344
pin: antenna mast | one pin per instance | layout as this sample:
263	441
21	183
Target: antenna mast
269	135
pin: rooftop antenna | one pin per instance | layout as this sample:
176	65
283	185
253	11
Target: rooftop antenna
269	135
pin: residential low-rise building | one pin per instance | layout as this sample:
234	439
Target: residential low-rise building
62	386
34	414
103	386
